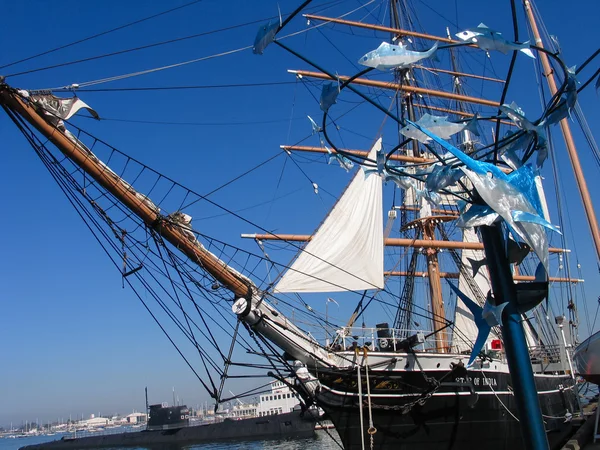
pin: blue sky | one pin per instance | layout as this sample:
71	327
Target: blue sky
75	342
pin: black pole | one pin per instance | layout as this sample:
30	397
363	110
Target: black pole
517	354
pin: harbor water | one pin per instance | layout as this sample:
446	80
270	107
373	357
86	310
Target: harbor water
321	441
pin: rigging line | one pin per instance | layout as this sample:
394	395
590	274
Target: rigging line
79	202
103	33
256	205
159	243
121	52
156	44
171	88
201	292
200	353
592	78
73	183
120	77
74	199
189	295
508	76
233	213
233	180
587	61
158	69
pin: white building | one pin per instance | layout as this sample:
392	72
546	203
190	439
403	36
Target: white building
280	400
94	422
136	417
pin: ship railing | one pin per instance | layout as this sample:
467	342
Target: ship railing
545	354
395	340
88	432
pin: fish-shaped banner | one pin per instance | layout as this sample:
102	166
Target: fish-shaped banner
388	56
265	35
514	197
440	126
329	95
488	39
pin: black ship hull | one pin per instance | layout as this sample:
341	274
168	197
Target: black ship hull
288	425
477	408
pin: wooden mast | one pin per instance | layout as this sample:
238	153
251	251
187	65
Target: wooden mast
428	225
128	196
566	131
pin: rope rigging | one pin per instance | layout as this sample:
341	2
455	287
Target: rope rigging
195	305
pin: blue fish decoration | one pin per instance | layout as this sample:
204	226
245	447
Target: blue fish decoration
266	35
487	39
475	215
485	318
316	129
567	103
388	56
442	177
516	114
514	197
344	162
329	95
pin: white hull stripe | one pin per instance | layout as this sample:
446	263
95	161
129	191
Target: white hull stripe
440	394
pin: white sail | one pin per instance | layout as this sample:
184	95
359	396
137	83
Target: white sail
346	252
464	321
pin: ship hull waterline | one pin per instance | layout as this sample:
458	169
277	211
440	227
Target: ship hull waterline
455	416
287	425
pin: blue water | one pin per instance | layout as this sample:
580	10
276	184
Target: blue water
321	441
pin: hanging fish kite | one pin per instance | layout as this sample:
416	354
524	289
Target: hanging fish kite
442	177
475	215
487	39
485	318
266	35
566	104
329	95
316	129
515	141
516	114
344	162
440	126
389	56
514	197
516	253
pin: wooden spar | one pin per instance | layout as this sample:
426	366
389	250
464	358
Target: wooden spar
396	31
362	153
455	275
128	196
359	153
435	286
566	131
391	242
460	113
459	74
400	87
395	273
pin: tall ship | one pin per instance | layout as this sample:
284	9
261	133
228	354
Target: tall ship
434	304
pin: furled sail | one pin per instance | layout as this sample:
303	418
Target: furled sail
464	320
346	252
